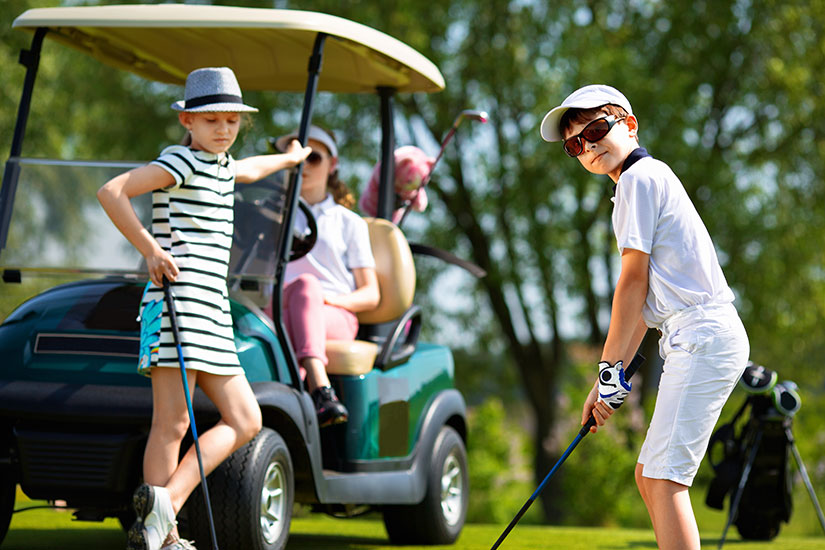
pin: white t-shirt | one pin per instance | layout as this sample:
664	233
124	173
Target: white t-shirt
343	245
653	213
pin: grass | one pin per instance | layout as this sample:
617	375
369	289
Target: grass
46	529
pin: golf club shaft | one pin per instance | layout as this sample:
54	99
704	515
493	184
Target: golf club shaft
481	116
629	372
173	321
807	480
537	492
476	115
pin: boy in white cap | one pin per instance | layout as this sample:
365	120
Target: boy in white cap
670	280
192	190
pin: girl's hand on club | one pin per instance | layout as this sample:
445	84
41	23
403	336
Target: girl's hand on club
297	153
160	265
593	406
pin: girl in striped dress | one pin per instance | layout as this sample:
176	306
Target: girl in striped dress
192	193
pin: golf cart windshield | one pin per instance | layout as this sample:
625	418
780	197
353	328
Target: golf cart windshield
57	225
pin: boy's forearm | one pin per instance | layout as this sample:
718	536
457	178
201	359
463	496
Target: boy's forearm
635	341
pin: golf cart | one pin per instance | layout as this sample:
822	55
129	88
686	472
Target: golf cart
74	415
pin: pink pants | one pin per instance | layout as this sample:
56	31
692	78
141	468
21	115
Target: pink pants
310	322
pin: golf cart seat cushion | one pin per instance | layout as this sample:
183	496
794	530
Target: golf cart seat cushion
350	357
395	271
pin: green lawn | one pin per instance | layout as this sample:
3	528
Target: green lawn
51	529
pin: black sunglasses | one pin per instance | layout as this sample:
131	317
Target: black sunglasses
314	158
593	132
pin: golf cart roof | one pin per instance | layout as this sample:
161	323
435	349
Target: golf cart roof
267	48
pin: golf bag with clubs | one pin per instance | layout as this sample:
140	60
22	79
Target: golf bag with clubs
753	463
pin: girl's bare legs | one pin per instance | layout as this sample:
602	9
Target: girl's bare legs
316	373
240	422
668	504
170	424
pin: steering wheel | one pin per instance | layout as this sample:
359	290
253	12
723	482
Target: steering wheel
303	241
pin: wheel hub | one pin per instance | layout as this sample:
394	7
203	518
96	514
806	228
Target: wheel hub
452	490
273	502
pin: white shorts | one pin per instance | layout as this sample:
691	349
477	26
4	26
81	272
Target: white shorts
705	349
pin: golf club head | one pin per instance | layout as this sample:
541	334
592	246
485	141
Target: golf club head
472	114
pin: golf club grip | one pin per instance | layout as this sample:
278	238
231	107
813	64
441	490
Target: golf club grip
631	369
170	308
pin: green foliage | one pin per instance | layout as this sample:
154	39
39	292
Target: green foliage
500	480
601	470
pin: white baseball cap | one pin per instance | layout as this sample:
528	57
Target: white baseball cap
588	97
316	133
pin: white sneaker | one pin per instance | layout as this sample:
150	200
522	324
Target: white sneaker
180	544
155	518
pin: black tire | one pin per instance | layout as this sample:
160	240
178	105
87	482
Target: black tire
252	494
439	518
7	493
126	518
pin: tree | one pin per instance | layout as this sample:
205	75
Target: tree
725	93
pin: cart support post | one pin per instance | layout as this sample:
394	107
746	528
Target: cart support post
31	60
293	194
386	189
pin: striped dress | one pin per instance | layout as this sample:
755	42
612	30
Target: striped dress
193	221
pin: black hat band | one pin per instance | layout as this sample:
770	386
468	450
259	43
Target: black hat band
209	99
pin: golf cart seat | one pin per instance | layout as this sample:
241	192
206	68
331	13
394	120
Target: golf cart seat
389	332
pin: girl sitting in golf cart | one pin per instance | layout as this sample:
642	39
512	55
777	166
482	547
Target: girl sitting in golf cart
326	288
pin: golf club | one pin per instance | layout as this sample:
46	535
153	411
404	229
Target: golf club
480	116
173	320
631	369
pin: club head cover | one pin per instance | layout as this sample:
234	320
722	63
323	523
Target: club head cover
613	388
785	398
757	379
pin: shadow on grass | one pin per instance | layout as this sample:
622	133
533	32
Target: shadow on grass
105	539
339	542
705	542
713	542
64	539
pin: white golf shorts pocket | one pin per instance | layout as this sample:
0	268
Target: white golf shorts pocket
705	350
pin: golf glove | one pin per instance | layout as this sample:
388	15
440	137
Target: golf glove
612	386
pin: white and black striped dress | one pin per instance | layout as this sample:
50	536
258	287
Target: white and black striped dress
193	221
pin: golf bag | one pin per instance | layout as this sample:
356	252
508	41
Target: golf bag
753	464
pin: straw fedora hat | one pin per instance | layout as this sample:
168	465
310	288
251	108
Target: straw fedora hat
212	90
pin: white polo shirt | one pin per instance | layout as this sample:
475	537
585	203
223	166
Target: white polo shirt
653	213
343	245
